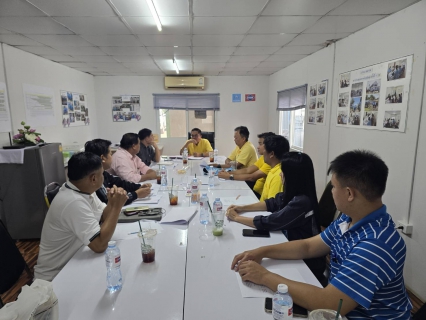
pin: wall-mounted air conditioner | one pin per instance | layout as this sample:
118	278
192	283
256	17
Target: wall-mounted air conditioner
193	83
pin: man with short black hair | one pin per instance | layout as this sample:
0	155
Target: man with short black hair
75	214
367	253
149	150
197	146
127	165
102	148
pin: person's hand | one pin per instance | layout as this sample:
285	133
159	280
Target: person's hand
191	141
154	144
252	271
195	154
117	196
232	215
246	256
146	185
238	209
143	192
223	174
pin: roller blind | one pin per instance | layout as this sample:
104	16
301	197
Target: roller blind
292	99
200	101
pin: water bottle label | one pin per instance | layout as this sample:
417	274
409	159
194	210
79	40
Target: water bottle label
114	261
282	312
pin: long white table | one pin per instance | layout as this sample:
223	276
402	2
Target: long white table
190	278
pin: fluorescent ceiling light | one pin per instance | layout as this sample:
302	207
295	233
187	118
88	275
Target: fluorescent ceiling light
154	14
176	67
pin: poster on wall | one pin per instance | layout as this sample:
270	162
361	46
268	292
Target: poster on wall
5	121
126	108
75	111
39	108
317	102
375	97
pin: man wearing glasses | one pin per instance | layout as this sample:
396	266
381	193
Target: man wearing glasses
197	146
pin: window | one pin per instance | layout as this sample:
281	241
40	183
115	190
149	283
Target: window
291	107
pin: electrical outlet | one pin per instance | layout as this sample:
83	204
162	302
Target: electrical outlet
406	227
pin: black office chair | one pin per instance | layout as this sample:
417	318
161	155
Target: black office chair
50	191
421	313
206	135
13	263
327	207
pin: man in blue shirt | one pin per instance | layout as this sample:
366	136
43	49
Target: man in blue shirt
366	251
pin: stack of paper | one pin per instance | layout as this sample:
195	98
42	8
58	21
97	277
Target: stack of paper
178	215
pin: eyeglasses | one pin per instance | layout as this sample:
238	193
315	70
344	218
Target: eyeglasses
194	135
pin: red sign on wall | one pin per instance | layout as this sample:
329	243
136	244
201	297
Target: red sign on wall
250	97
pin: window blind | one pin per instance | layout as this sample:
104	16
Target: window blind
200	101
292	99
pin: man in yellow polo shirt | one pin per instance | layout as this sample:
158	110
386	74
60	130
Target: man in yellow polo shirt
254	175
197	146
275	148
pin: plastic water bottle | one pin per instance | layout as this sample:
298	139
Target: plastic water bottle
204	209
163	176
282	304
216	155
195	191
113	263
211	177
217	205
185	156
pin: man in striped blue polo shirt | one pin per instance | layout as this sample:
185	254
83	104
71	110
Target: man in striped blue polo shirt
367	253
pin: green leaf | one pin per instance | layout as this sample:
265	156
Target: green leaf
27	127
23	123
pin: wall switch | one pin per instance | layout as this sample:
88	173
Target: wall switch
405	228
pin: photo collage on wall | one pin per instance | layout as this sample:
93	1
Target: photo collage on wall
375	97
126	108
317	103
74	109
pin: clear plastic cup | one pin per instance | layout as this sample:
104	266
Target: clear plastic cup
147	239
218	218
323	314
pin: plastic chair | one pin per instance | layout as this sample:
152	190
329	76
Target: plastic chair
13	263
50	191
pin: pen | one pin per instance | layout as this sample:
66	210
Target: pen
133	232
237	197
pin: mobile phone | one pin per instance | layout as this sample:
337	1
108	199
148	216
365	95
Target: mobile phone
298	311
134	209
256	233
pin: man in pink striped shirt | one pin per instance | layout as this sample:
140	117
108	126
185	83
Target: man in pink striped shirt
127	165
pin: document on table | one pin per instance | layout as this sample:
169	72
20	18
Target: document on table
243	200
178	215
125	231
252	290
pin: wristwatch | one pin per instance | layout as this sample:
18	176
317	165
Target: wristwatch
231	177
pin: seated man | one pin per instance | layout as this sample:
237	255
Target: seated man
149	150
127	165
244	153
74	216
102	149
367	253
255	175
197	146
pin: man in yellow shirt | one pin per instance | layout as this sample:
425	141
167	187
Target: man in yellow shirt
275	148
254	175
197	146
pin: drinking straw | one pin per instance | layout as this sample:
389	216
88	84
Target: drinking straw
338	309
211	212
171	190
140	227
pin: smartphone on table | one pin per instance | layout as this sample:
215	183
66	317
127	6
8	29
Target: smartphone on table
298	311
256	233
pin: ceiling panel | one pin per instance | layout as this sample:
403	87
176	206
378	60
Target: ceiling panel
113	40
315	39
82	51
258	57
255	50
32	25
234	8
300	7
58	57
211	58
4	31
169	51
86	69
286	57
132	8
172	8
18	9
222	25
17	40
206	51
233	73
171	25
150	73
333	24
242	65
94	58
208	65
298	49
60	40
165	40
123	58
76	64
274	64
128	51
361	7
94	25
68	8
216	40
39	49
283	24
140	66
254	40
258	72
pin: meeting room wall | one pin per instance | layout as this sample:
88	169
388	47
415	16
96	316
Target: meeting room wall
254	115
23	67
398	35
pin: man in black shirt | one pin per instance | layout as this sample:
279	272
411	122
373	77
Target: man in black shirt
102	149
149	149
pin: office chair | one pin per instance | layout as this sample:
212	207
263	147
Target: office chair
50	191
421	313
206	135
327	207
13	263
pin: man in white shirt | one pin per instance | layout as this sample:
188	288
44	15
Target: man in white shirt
77	217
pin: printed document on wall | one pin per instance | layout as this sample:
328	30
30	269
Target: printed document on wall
5	121
39	106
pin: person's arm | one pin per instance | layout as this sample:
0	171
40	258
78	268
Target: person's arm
243	176
149	175
258	206
187	144
157	155
234	216
116	199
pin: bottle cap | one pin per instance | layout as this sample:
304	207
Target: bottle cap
204	194
282	288
111	243
217	199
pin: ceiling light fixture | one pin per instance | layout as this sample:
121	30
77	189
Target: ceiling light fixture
154	14
176	66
